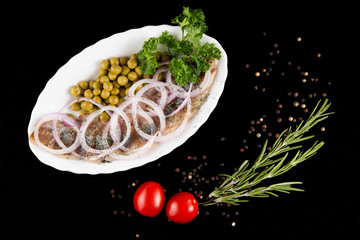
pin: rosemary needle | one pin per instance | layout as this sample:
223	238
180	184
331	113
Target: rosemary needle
272	163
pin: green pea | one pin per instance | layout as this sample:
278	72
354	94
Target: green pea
123	60
116	84
105	94
127	92
132	76
105	64
113	99
122	92
84	85
104	117
86	105
97	99
83	112
112	76
125	70
104	79
108	86
132	63
93	109
128	84
114	60
96	91
97	84
103	72
75	106
115	69
91	84
122	80
115	91
88	93
75	91
138	70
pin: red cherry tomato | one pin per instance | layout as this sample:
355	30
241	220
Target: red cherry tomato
182	207
149	199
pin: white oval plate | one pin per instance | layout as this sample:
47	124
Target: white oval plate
84	66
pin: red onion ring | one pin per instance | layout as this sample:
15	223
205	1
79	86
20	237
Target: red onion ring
158	71
61	117
113	127
157	110
168	91
180	128
137	153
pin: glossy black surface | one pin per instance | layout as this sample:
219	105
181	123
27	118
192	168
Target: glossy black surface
39	202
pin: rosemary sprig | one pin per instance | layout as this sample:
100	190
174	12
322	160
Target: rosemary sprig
271	163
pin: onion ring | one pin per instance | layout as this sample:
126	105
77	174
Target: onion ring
61	117
113	127
168	90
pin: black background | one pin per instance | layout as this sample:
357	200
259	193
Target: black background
39	202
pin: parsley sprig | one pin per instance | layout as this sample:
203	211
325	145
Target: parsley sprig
189	57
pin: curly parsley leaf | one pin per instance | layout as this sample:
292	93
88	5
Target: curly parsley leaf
202	65
193	22
209	51
183	71
147	56
168	40
189	57
183	47
148	62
